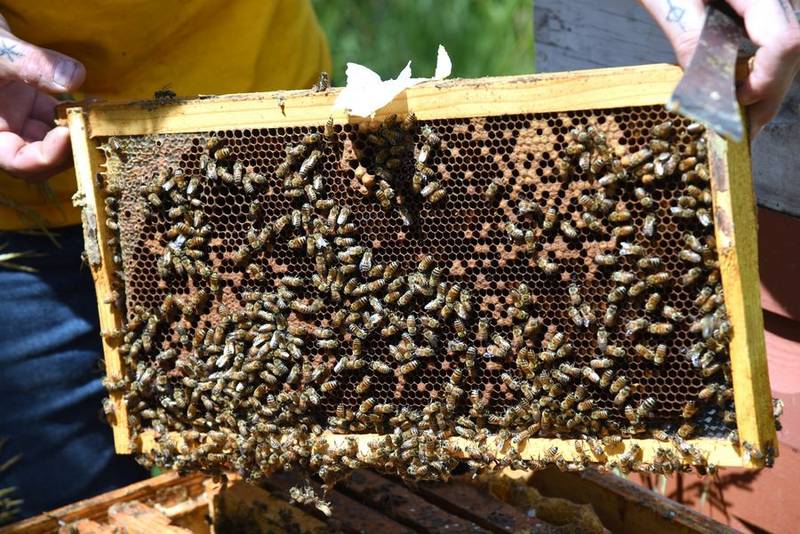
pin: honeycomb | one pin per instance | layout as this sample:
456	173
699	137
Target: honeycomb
466	234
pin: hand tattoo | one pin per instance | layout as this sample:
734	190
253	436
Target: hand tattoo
9	51
675	14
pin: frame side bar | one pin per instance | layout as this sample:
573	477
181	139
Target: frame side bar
87	165
737	248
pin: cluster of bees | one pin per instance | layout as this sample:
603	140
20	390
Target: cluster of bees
244	393
392	174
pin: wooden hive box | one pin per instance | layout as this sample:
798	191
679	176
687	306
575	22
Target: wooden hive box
511	131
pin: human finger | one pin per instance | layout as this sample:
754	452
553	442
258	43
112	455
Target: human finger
44	108
43	68
34	160
35	130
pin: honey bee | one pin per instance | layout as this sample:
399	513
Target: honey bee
623	277
631	456
628	249
664	130
652	303
576	149
615	296
588	314
636	325
621	396
657	279
605	260
328	344
645	408
509	382
618	383
550	219
574	294
596	446
590	374
550	268
329	132
591	222
408	368
515	232
383	409
610	316
703	216
575	316
430	188
437	196
649	263
366	262
695	129
364	385
660	329
619	216
556	341
751	452
606	378
426	264
222	153
621	232
690	256
527	207
637	158
568	230
532	327
686	430
670	313
552	455
491	191
601	363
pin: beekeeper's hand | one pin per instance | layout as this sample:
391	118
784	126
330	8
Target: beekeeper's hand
31	146
770	24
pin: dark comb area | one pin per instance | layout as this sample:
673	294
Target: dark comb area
540	275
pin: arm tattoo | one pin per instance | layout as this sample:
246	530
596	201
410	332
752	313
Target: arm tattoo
9	51
675	14
788	11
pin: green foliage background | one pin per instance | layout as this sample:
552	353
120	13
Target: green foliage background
483	37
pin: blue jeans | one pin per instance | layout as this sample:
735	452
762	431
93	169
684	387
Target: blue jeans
50	390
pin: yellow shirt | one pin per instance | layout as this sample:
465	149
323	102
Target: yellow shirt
132	48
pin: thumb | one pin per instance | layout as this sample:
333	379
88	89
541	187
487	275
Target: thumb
45	69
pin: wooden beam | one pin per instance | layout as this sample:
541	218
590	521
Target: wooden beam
348	514
737	248
403	506
589	89
623	506
87	162
240	507
481	507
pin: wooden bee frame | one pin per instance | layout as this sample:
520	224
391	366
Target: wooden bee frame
733	198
